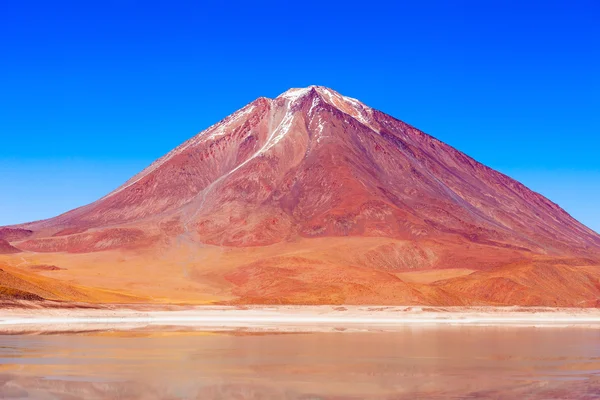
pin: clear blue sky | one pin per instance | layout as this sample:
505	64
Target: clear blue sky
92	92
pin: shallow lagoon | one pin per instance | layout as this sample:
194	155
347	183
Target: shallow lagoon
412	362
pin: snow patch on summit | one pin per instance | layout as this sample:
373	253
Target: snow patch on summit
348	105
295	93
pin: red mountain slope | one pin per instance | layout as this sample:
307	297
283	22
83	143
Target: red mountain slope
6	248
312	164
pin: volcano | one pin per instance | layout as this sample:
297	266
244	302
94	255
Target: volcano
315	198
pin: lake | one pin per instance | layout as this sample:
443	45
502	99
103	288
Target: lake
412	362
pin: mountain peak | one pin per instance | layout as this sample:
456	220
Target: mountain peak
348	105
349	196
326	93
303	155
295	93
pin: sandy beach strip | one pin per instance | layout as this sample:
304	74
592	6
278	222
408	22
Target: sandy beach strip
286	318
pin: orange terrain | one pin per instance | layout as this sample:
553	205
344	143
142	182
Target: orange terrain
309	198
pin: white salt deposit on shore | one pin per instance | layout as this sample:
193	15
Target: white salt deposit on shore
285	318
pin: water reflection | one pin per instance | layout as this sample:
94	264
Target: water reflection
461	362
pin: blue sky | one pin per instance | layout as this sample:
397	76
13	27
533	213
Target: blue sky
92	92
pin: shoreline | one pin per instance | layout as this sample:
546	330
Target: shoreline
285	318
